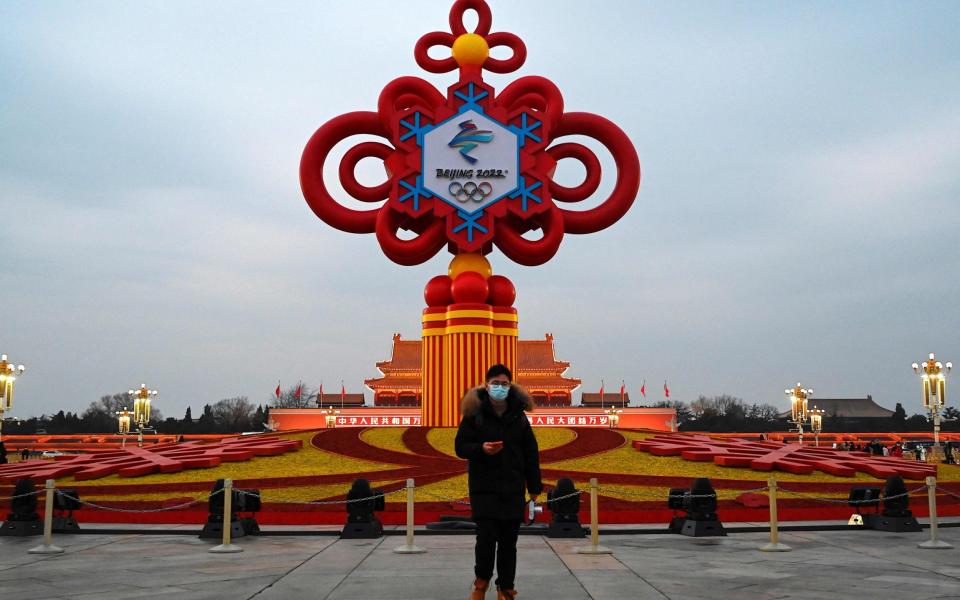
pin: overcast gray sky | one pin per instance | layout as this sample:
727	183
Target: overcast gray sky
796	220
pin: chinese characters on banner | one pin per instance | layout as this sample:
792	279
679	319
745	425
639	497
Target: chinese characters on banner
569	420
382	421
535	420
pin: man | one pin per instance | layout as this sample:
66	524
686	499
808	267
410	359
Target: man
503	459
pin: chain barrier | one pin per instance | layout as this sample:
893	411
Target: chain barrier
635	494
922	489
467	503
948	492
445	499
136	510
28	494
324	502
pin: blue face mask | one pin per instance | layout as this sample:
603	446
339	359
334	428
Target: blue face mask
498	391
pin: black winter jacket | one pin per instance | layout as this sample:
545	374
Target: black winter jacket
497	481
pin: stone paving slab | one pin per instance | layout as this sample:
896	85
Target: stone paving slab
822	565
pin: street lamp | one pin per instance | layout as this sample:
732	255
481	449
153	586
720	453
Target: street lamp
798	407
816	423
934	381
123	422
8	375
614	415
141	409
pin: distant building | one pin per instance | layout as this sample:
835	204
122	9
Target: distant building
846	408
609	399
538	370
333	399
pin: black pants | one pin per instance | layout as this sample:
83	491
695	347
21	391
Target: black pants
497	539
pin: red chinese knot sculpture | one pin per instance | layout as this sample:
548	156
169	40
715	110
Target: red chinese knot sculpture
471	169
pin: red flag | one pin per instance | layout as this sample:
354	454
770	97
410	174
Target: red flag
666	390
343	392
296	394
643	388
601	390
623	390
320	395
276	392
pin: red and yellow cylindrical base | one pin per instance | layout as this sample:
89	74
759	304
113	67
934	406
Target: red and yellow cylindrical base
462	339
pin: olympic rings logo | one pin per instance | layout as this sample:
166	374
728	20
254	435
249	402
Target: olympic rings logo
470	191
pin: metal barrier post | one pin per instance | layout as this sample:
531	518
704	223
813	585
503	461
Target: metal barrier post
47	547
774	545
594	547
409	547
933	543
226	547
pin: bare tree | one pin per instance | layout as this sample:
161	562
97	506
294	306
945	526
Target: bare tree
233	414
289	398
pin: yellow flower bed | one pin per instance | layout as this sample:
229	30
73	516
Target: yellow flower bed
547	438
628	460
304	493
307	461
388	438
313	461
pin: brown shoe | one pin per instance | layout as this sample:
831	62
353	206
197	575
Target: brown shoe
480	587
506	594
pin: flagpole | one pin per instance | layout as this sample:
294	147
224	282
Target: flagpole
601	395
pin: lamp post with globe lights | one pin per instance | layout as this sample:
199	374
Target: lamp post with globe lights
123	425
799	409
141	409
330	417
8	376
934	382
816	423
613	414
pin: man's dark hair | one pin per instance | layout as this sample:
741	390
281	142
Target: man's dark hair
497	370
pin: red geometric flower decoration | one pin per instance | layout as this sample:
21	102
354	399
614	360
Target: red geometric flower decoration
472	169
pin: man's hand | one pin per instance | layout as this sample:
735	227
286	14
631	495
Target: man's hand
492	448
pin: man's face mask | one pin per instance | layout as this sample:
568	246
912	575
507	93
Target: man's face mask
498	391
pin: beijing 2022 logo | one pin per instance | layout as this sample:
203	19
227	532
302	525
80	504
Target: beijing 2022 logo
469	138
470	160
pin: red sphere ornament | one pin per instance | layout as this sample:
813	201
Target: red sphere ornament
437	291
469	288
502	292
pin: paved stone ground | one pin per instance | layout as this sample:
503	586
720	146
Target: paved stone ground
830	564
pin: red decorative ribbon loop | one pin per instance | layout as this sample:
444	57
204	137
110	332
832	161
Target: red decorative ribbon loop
348	176
538	93
590	162
408	252
311	171
403	93
423	58
628	172
484	17
506	65
531	253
